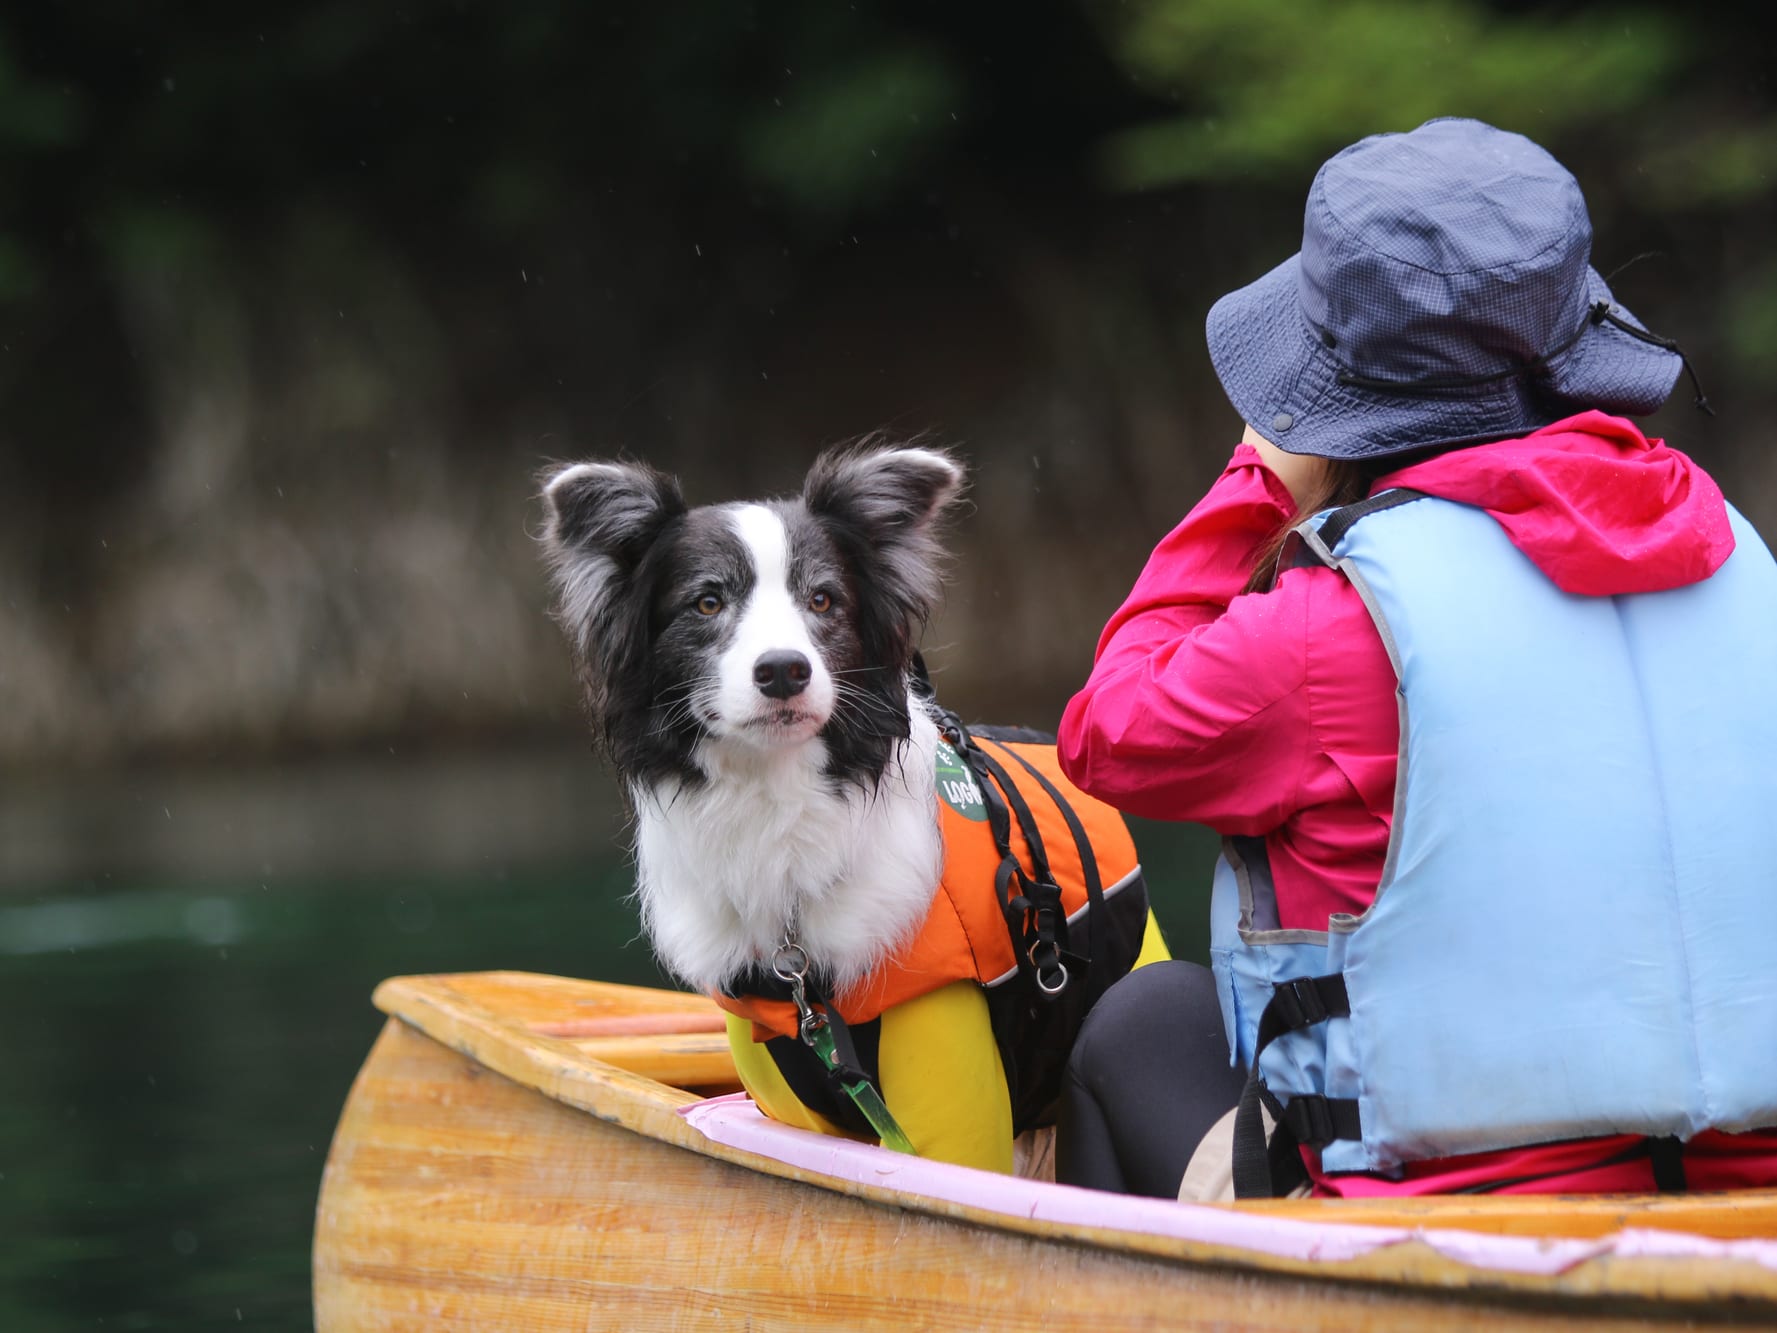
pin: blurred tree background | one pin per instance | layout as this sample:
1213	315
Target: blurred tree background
295	301
296	298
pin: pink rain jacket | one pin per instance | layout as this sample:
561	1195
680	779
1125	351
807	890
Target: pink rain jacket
1274	715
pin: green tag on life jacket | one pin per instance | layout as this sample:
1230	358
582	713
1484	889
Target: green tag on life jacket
957	787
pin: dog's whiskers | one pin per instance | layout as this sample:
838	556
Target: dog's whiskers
675	707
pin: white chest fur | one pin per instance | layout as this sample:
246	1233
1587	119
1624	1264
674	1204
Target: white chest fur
766	846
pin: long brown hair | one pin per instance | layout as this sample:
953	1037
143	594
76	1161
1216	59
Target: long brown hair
1343	481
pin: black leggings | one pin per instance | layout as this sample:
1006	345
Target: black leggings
1148	1077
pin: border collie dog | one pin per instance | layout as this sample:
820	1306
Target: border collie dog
747	669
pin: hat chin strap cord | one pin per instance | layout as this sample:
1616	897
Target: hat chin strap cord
1603	314
1600	313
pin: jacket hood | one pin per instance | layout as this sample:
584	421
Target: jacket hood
1598	506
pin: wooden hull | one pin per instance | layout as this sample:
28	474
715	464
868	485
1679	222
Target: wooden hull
488	1175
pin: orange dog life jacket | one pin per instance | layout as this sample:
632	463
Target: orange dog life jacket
1041	902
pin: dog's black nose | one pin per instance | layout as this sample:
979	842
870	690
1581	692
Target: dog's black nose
781	674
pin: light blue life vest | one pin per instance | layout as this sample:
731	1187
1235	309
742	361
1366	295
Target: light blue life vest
1575	932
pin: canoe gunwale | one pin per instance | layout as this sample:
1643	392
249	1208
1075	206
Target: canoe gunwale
482	1016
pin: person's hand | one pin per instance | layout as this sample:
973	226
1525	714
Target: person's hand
1298	472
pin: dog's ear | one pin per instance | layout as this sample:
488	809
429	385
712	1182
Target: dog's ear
883	506
606	510
890	494
600	520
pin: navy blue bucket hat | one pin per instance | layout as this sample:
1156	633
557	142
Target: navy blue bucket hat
1443	295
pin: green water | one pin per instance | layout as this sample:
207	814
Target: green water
175	1055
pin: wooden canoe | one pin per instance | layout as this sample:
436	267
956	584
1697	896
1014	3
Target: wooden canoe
524	1152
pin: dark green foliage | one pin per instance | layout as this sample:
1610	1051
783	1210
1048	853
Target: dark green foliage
1271	87
295	298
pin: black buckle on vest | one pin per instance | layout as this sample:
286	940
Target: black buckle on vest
1298	1003
1309	1120
1304	1001
1316	1121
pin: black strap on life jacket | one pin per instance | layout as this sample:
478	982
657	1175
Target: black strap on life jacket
1335	525
1667	1157
1031	902
1307	1119
1037	1012
1092	881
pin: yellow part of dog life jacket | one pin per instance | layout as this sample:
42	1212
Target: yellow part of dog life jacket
938	1067
1085	850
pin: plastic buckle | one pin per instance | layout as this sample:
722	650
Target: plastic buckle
1299	1002
1313	1122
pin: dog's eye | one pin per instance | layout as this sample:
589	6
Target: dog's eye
820	603
708	604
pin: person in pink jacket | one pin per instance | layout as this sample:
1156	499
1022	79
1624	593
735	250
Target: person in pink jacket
1442	330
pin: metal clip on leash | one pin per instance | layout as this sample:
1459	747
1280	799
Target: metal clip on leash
791	966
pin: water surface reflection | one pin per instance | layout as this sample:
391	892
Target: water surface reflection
186	1012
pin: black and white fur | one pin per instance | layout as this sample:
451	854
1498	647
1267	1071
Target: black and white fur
746	667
